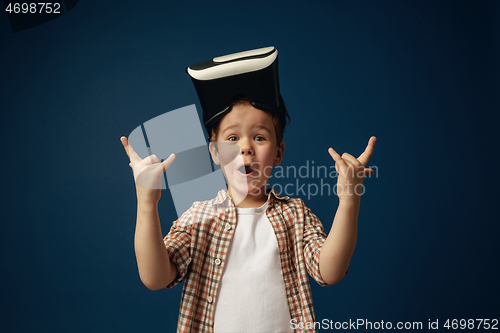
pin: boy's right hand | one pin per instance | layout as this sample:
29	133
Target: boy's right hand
147	173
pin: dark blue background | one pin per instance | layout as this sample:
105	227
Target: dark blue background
422	76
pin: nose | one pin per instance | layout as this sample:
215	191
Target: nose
246	147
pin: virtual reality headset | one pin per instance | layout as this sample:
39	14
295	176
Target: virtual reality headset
252	74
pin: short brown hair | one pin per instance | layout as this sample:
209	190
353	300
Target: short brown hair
279	121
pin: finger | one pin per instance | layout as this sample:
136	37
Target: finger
369	172
349	159
365	156
337	158
167	162
150	177
132	155
130	165
153	159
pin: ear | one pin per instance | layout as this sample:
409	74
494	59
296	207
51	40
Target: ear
279	153
215	154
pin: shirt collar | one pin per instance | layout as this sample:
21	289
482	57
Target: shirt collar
273	195
223	197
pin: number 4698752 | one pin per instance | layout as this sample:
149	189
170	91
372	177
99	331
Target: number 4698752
34	8
471	324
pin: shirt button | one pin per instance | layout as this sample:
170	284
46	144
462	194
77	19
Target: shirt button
209	299
227	227
217	261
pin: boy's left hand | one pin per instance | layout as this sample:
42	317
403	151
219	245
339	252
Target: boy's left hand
352	171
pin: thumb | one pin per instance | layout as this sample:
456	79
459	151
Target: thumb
168	162
368	172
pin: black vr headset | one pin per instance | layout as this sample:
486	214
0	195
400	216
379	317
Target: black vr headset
252	74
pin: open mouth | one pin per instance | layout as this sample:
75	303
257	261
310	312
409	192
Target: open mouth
246	170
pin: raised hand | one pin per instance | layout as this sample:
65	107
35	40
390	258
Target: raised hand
147	173
352	171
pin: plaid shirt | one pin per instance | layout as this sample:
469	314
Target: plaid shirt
198	244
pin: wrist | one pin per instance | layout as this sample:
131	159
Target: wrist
350	202
146	205
147	196
348	209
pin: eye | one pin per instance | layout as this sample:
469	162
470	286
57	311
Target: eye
232	138
259	138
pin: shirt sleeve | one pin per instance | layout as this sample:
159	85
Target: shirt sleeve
178	244
314	238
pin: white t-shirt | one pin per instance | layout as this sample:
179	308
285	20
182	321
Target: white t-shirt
252	296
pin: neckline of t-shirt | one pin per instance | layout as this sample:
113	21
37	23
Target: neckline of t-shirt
252	210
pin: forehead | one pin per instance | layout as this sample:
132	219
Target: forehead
246	116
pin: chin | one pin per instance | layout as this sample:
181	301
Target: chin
260	189
247	189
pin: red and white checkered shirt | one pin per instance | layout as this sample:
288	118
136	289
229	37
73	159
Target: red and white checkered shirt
198	244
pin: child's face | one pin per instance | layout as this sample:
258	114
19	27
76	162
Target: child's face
247	149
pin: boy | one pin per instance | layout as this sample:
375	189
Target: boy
245	254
